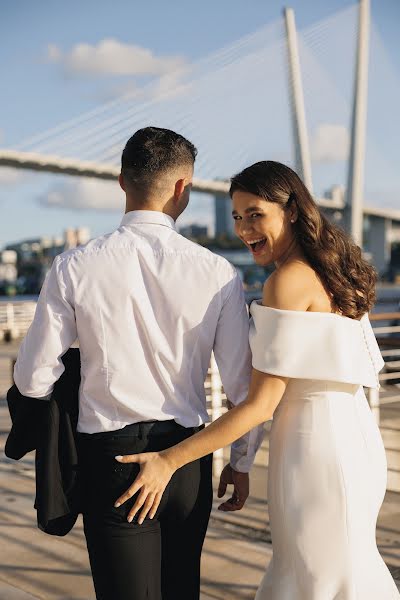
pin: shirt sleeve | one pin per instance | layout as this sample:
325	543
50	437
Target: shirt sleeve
51	333
233	357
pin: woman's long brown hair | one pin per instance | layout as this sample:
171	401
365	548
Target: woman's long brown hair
346	275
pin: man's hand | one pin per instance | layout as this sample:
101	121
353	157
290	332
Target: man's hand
240	483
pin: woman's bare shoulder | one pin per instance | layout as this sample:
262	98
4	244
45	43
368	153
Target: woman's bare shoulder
290	287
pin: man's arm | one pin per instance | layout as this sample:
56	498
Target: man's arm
233	357
51	333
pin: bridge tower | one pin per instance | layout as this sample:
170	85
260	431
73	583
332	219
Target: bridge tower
355	178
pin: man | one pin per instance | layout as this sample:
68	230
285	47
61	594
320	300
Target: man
148	308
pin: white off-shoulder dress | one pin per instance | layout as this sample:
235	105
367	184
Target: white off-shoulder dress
327	465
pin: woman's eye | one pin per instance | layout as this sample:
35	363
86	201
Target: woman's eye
236	217
255	215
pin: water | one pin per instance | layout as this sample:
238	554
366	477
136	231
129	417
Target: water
253	277
27	298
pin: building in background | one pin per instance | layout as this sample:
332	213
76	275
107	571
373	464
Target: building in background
8	271
194	231
223	217
76	237
28	261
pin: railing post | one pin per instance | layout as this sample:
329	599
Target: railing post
373	399
10	322
216	411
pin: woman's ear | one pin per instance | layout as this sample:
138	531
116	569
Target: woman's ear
293	214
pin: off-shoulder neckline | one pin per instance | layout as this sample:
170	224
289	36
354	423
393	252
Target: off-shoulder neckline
308	312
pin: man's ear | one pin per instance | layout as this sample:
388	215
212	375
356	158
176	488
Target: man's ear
180	188
121	181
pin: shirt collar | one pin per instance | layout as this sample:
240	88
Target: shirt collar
153	217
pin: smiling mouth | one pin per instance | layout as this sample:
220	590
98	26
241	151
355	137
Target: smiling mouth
257	245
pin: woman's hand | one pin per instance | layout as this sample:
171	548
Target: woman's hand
155	474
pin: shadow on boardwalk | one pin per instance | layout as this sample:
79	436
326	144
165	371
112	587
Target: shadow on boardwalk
236	552
36	565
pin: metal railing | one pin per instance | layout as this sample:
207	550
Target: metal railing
216	402
388	337
15	318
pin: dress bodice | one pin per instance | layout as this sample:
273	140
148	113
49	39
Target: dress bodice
314	345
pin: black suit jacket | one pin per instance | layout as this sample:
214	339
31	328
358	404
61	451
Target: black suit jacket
49	427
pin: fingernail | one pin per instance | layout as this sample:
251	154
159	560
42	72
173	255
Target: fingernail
130	519
140	522
118	457
117	504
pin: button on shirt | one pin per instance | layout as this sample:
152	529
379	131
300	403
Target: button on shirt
148	307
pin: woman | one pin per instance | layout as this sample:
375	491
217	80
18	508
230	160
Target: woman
313	351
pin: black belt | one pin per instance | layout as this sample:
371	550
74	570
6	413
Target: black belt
143	428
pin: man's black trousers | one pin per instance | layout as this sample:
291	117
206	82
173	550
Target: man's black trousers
160	559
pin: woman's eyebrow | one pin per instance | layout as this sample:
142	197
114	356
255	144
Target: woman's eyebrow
253	209
248	210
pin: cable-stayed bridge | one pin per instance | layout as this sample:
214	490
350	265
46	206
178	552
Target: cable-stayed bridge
298	96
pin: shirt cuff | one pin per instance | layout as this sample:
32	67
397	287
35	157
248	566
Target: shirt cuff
244	450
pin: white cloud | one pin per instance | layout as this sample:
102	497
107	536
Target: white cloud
94	194
111	57
168	86
84	194
330	143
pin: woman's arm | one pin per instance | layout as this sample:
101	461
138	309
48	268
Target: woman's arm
265	393
287	288
157	468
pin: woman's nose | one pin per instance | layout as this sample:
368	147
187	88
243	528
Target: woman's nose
244	227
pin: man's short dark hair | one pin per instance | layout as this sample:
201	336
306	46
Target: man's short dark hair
151	152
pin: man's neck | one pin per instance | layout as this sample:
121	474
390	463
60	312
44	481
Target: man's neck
130	208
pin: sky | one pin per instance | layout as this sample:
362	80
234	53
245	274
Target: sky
60	60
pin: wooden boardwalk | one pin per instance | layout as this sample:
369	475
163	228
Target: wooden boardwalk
237	549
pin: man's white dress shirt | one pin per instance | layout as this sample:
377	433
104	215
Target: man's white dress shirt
148	307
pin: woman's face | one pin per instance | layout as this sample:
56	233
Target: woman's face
263	226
